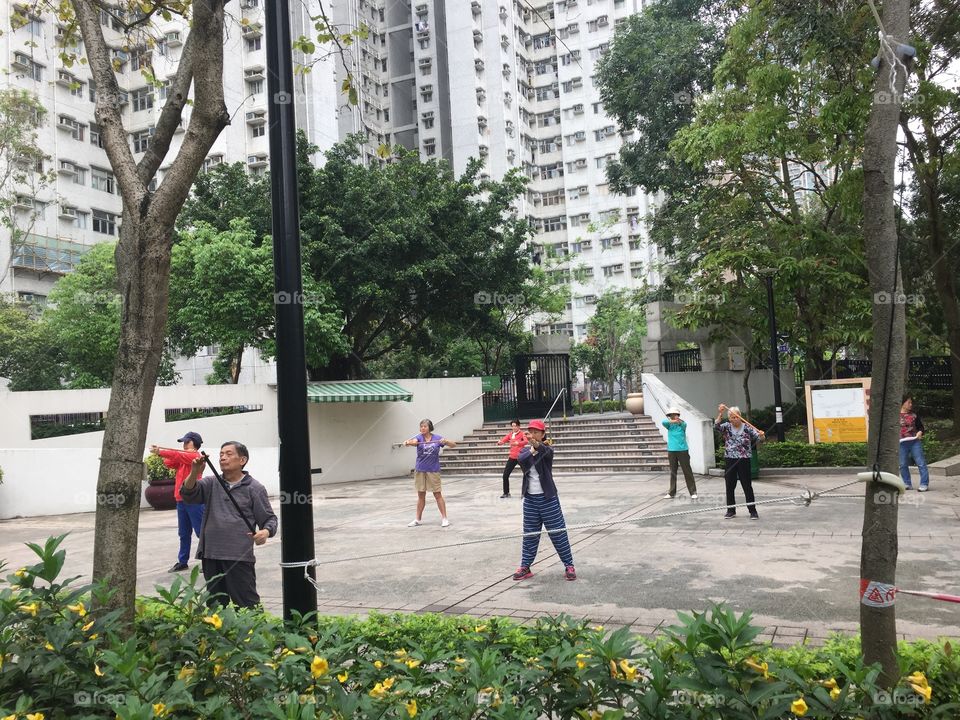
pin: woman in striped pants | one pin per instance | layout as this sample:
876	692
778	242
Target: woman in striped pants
541	505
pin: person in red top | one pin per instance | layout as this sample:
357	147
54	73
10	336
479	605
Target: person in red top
517	440
189	517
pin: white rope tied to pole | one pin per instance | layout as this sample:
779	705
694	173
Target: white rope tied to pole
805	499
889	50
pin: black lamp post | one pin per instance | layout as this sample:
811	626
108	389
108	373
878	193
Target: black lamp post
296	487
774	356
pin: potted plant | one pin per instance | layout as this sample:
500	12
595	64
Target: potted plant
160	479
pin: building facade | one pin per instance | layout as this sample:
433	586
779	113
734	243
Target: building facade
81	206
511	82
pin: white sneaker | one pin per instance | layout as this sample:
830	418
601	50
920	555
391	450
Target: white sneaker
693	497
443	523
668	496
414	523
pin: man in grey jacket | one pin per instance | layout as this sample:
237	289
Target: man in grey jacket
226	542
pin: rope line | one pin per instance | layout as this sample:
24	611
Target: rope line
805	499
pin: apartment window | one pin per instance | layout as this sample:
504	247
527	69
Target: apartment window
254	44
611	270
635	244
72	126
141	140
142	99
93	93
430	147
427	120
542	41
104	222
23	63
255	87
79	176
95	137
164	90
582	245
554	170
554	197
549	146
102	180
599	51
548	119
82	220
581	219
548	92
571	85
140	58
258	131
76	89
597	107
555	223
610	242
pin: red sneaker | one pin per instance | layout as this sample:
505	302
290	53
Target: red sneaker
570	573
522	573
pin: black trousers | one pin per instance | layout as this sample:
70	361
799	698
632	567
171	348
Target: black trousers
681	458
237	582
507	469
739	469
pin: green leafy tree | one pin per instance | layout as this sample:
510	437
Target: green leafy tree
614	345
29	358
410	249
227	192
222	290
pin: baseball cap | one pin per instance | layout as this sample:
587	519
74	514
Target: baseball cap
536	425
195	437
673	411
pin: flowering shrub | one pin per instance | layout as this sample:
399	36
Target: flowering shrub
61	658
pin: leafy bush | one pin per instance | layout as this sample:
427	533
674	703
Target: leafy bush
593	406
60	657
793	416
157	472
933	403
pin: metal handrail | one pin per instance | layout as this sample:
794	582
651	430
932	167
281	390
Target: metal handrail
469	402
560	394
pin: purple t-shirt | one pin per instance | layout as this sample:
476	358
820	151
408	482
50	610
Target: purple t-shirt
428	454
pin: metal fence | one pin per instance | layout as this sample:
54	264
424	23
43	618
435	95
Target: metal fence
682	361
926	373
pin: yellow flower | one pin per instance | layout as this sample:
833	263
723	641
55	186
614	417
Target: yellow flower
319	666
87	627
829	684
217	669
214	620
378	691
286	652
798	707
97	671
629	671
35	716
312	638
613	669
480	628
834	693
377	664
596	715
30	608
412	663
342	677
924	691
79	609
401	653
388	683
598	628
159	709
761	668
918	678
412	708
250	673
10	717
186	672
94	636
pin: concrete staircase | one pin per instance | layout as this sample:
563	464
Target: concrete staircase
609	443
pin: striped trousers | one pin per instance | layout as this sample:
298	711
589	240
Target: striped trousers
538	513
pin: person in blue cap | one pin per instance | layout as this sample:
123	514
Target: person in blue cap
189	516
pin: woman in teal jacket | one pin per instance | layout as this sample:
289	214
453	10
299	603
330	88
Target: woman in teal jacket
678	453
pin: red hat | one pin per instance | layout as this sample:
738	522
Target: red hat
536	425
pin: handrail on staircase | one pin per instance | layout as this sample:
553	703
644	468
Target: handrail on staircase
563	394
450	415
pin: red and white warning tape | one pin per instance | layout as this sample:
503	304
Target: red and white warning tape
877	594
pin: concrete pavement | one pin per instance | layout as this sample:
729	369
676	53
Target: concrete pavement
797	567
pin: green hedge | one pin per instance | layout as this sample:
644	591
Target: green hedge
63	659
933	403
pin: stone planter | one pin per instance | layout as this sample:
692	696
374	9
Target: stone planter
634	403
159	494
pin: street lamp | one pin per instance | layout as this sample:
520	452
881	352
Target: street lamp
767	275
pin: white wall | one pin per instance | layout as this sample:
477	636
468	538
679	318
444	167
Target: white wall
657	397
350	441
706	390
353	441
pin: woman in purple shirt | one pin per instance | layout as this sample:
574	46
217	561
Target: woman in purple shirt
427	471
738	440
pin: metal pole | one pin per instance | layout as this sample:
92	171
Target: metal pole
774	359
296	491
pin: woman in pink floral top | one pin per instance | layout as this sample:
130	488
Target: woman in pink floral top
738	439
911	432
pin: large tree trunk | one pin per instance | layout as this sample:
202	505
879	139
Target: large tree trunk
878	557
746	386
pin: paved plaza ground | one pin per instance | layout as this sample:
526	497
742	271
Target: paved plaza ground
797	568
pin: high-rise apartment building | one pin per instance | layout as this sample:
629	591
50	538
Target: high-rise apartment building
82	206
511	82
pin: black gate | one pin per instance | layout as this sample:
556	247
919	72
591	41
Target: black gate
531	390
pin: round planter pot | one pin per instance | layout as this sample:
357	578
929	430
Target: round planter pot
634	403
160	495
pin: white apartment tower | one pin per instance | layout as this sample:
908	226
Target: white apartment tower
511	82
82	207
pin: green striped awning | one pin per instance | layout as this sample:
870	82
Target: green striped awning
357	391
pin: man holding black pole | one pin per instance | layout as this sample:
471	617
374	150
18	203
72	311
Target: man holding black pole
236	506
